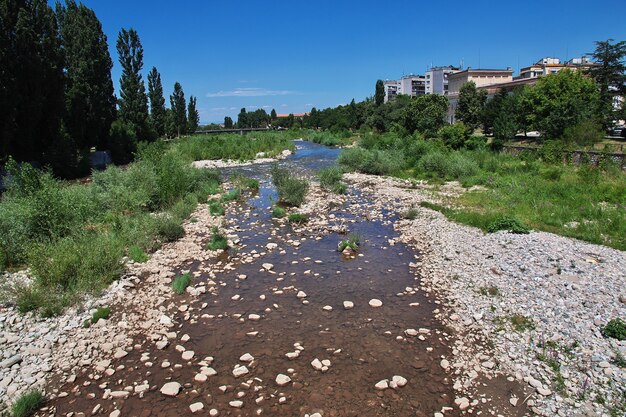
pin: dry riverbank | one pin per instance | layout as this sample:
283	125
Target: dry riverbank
528	306
221	163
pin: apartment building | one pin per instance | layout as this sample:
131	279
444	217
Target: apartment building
547	66
437	79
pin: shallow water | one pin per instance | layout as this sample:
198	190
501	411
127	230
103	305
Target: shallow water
364	344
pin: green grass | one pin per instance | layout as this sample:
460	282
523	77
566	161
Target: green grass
279	212
352	242
137	254
410	214
297	218
27	404
615	329
181	283
244	183
218	240
291	190
330	180
100	313
216	208
492	291
232	195
510	224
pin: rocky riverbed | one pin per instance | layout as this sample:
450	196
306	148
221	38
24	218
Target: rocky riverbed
427	318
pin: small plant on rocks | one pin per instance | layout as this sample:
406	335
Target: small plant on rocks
216	208
511	224
218	240
137	254
352	242
100	313
232	195
410	214
615	329
491	291
181	283
297	218
521	323
27	404
279	212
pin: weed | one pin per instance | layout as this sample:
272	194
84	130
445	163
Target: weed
100	313
330	180
243	182
521	323
181	282
137	254
216	208
218	240
27	404
492	291
291	190
615	329
410	214
510	224
619	360
297	218
352	242
232	195
169	229
279	212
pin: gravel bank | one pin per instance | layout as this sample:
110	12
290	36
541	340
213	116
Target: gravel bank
492	286
229	163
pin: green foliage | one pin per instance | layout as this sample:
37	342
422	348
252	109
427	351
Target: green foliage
327	138
279	212
137	254
233	146
510	224
552	151
610	77
376	162
471	105
242	182
157	102
193	117
352	242
216	208
379	94
291	190
410	214
232	195
169	229
27	404
615	328
297	218
330	179
585	133
100	313
426	114
122	142
180	283
454	136
179	110
218	240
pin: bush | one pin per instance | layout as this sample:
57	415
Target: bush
454	136
27	404
330	180
291	190
434	162
278	212
297	218
216	208
100	313
137	254
586	133
410	214
375	162
232	195
552	152
615	329
169	228
218	241
461	166
122	142
508	223
243	182
476	143
181	283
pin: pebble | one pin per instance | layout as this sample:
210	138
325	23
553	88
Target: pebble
375	303
195	407
348	305
171	389
282	380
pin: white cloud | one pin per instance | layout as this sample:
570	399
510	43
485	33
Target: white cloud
284	105
250	92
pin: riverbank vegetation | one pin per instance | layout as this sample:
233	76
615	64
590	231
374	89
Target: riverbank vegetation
234	146
291	189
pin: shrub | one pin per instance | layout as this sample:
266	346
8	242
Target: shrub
181	283
291	190
375	162
615	329
511	224
27	404
552	173
100	313
454	136
278	212
492	291
243	182
218	240
434	162
232	195
552	152
410	214
461	166
476	143
297	218
216	208
169	229
330	180
586	133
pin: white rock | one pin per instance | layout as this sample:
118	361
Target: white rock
195	407
240	371
236	404
374	302
382	385
316	364
246	357
188	354
268	266
348	305
301	294
282	380
399	381
171	389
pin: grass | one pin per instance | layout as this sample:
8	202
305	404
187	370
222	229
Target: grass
216	208
234	146
516	193
245	183
518	322
279	212
329	138
297	218
232	195
137	254
352	242
492	291
410	214
330	180
27	404
100	313
181	283
615	329
218	240
291	190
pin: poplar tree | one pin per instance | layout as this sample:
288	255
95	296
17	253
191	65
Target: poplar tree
157	102
228	122
179	110
471	105
133	102
379	94
193	117
89	94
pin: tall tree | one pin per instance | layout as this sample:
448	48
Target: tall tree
425	114
610	75
242	118
89	95
228	123
380	92
193	117
157	102
179	110
273	115
471	105
31	80
133	100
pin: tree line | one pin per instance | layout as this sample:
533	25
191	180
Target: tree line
570	105
57	100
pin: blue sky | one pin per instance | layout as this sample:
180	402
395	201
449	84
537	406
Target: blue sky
293	55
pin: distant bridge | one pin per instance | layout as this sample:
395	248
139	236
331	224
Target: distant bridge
240	131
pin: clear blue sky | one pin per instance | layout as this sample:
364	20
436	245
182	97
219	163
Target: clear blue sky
293	55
